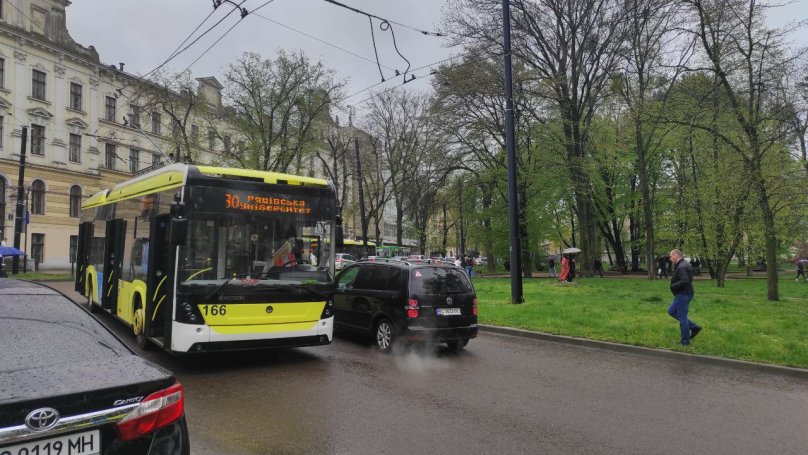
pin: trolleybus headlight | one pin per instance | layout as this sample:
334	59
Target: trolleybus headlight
188	313
328	310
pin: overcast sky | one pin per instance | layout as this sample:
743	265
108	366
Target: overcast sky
143	33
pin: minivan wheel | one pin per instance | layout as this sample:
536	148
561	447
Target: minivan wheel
457	345
384	335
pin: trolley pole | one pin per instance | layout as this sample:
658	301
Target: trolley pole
362	218
18	219
513	204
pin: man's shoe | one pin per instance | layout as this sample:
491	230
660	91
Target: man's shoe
685	343
695	332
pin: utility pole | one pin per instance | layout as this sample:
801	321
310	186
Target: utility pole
362	217
513	203
18	220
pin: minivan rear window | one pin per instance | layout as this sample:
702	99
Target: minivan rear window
439	280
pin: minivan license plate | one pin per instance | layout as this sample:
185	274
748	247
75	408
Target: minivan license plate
86	443
448	311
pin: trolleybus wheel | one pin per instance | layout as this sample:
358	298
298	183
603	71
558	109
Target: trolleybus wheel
90	307
139	326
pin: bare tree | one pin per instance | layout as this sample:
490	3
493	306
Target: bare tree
572	49
279	105
651	65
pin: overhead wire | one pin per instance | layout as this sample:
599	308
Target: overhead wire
365	13
347	51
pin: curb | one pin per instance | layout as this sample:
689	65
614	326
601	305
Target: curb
799	373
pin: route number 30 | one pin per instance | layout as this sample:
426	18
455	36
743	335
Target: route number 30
215	310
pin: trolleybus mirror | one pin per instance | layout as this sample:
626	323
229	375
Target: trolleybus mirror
340	237
178	231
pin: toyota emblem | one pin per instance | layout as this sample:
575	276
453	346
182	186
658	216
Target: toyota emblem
269	309
448	300
42	419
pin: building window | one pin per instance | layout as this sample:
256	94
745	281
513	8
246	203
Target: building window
2	122
156	160
38	140
194	134
226	141
110	109
75	201
75	96
38	247
75	148
134	160
109	156
2	72
38	85
134	116
38	197
155	123
211	138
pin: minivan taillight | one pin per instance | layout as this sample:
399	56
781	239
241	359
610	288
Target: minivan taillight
474	307
158	410
412	308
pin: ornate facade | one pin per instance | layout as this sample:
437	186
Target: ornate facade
86	131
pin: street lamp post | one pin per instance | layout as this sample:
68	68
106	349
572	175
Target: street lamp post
513	204
15	264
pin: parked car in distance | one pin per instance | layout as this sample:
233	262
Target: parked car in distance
68	386
405	301
417	258
343	260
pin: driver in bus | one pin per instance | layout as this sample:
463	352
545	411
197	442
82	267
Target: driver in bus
284	256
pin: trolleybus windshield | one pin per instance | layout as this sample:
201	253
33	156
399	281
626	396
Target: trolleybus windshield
277	240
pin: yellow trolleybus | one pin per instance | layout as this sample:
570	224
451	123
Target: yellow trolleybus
200	258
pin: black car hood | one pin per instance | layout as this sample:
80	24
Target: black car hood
54	354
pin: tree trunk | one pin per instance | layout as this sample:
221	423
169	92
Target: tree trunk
769	231
645	191
527	267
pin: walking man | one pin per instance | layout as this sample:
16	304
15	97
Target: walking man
682	289
551	266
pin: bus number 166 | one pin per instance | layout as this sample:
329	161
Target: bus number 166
215	310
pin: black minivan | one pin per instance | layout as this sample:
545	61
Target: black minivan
406	301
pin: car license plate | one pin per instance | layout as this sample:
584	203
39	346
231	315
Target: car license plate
448	311
86	443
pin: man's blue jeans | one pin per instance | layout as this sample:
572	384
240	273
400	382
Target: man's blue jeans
678	310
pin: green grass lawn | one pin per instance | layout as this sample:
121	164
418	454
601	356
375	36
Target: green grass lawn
738	321
34	276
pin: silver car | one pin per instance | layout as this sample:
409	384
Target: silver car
343	260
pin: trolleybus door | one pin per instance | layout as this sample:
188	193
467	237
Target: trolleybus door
113	263
83	254
159	281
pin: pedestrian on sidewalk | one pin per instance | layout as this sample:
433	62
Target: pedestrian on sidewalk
551	266
599	267
565	269
683	291
800	270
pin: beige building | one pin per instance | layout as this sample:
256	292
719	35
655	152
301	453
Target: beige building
86	131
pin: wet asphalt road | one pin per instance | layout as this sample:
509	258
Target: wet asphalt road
501	395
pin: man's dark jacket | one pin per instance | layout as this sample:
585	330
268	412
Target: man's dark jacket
682	279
